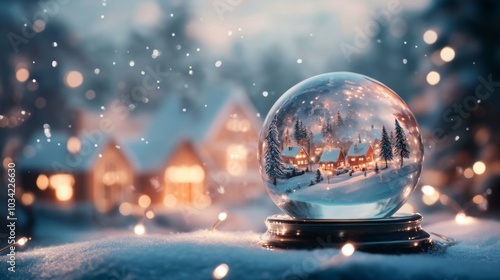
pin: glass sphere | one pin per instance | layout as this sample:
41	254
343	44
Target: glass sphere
340	146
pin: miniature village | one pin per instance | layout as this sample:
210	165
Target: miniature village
329	155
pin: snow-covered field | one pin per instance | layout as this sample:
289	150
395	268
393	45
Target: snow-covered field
354	196
196	255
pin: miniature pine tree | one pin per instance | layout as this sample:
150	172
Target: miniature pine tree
401	147
286	140
359	138
318	176
297	132
274	169
385	147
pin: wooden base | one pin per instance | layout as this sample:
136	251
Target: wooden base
393	235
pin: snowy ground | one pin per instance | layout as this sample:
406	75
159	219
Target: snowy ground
196	255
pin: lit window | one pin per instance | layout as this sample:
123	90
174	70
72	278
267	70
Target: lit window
63	185
353	159
237	125
185	174
236	160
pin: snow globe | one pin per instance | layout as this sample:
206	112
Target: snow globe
340	153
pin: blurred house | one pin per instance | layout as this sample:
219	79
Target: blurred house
65	168
199	151
360	155
192	152
295	155
331	159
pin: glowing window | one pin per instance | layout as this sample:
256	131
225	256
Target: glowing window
236	160
185	174
353	159
237	125
63	185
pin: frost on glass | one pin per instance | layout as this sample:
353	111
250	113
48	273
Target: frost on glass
340	146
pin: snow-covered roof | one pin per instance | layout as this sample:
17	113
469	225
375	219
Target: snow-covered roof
172	125
51	154
358	149
291	151
331	155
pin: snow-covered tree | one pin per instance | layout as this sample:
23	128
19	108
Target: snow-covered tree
385	147
327	130
401	147
286	140
338	122
297	134
274	169
318	176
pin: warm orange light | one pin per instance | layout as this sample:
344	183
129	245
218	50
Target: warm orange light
125	208
185	174
144	201
150	214
169	200
348	249
58	180
139	229
64	192
468	173
73	79
42	182
447	54
478	199
237	160
237	125
220	271
433	78
430	37
74	145
22	75
27	198
479	167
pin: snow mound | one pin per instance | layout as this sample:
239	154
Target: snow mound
195	255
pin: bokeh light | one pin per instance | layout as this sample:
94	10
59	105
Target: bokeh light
144	201
22	75
479	167
220	271
447	54
433	78
73	79
430	37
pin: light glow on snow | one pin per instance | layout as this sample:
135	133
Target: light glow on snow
139	229
348	249
462	219
222	216
220	271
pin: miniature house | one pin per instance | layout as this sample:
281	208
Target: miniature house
68	168
360	155
296	156
331	159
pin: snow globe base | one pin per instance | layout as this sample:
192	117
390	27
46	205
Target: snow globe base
401	233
